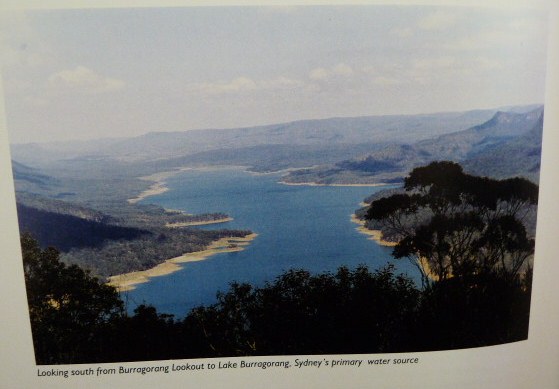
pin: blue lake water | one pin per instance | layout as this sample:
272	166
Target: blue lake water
302	227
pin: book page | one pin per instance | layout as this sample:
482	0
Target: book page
177	150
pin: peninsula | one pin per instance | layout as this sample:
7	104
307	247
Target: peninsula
128	281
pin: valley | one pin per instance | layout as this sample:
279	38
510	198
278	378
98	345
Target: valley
93	200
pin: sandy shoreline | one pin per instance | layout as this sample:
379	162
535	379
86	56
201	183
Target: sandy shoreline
317	184
198	223
375	235
128	281
158	187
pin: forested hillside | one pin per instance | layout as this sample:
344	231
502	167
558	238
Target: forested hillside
135	238
66	232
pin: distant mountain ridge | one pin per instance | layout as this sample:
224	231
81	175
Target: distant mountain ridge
339	150
480	147
502	127
518	156
342	150
319	133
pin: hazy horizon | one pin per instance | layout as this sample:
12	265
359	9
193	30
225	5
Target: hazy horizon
108	138
118	73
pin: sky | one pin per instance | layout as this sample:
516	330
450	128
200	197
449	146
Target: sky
86	74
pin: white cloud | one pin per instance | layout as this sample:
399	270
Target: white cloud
437	21
342	70
322	74
319	74
435	64
83	79
280	83
484	63
405	32
387	81
237	85
369	69
244	84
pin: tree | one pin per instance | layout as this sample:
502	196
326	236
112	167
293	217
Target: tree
452	224
467	236
350	311
67	306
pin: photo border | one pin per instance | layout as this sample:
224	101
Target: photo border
530	363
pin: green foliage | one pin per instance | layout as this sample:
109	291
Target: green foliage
66	232
133	238
66	305
145	252
299	313
453	224
146	335
475	311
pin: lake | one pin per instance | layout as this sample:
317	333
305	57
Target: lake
298	227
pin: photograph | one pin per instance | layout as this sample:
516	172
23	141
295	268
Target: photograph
245	181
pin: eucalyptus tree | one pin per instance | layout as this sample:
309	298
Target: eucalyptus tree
452	224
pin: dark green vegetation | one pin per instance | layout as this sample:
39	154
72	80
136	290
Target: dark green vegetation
133	237
459	226
123	256
477	292
67	307
67	232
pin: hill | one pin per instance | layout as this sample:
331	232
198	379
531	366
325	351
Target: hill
66	232
480	147
320	133
28	177
138	239
519	156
